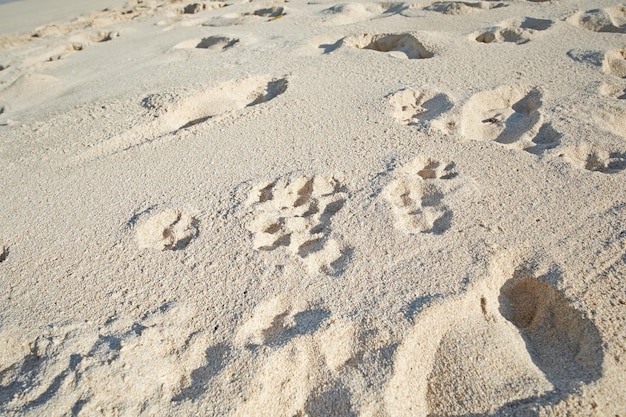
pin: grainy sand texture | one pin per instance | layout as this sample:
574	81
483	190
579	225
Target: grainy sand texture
311	208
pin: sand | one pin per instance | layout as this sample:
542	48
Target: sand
313	208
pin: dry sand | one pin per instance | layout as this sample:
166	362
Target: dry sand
313	209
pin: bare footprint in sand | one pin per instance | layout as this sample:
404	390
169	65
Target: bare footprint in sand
595	158
415	107
170	229
401	45
458	8
416	196
505	347
297	214
610	19
508	115
614	63
187	112
513	31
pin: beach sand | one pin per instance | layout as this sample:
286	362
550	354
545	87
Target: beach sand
313	209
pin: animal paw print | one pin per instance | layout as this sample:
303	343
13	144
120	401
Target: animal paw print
297	214
595	158
417	199
413	107
170	229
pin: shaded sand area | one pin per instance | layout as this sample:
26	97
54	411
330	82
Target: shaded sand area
314	209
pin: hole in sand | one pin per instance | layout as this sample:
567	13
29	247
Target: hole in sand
405	43
564	344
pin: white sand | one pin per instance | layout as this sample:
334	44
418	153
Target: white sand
313	209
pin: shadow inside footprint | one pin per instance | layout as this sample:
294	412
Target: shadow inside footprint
536	24
334	402
216	358
564	345
304	322
435	107
404	43
546	138
615	162
274	89
4	253
525	117
217	42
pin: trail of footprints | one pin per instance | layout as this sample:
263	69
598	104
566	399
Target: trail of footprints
517	337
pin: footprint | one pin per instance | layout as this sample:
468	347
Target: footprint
212	42
188	112
414	107
115	368
301	376
193	8
498	349
347	13
416	197
595	158
612	90
4	252
236	19
274	12
508	115
610	19
168	229
402	45
297	214
277	321
514	31
459	8
614	63
547	138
